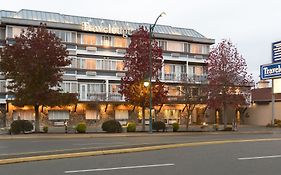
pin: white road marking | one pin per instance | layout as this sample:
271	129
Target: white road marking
261	157
119	168
97	143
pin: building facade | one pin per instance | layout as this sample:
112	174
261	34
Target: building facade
260	110
96	48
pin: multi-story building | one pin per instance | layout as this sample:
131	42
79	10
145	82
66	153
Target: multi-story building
97	47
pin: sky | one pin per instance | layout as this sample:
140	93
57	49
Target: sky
252	25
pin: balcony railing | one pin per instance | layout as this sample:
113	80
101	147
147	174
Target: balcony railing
200	79
114	97
185	78
99	96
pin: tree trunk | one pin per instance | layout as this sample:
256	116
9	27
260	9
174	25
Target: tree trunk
4	117
37	118
187	119
224	116
143	118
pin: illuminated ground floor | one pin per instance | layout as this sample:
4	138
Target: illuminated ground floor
94	114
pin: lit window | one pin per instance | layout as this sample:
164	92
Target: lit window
106	41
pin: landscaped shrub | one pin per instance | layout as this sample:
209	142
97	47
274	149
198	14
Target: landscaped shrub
21	126
131	127
81	128
158	125
228	129
111	126
45	129
176	127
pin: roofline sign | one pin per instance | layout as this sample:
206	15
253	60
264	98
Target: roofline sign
270	71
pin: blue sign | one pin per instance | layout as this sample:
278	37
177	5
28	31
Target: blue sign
270	71
276	52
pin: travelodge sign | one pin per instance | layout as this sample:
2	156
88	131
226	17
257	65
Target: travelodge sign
270	71
276	51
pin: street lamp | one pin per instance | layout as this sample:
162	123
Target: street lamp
151	29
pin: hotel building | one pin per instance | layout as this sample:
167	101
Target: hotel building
97	47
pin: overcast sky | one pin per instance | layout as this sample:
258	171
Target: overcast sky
252	25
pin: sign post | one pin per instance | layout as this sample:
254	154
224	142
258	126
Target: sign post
272	71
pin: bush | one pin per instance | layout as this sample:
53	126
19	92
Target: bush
81	128
228	129
176	127
111	126
19	126
131	127
158	125
45	129
277	121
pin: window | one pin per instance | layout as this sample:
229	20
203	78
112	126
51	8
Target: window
186	47
162	44
89	39
106	40
81	63
96	88
108	64
71	87
91	115
91	64
2	33
65	36
2	86
191	70
114	88
120	65
58	115
9	32
120	42
199	49
23	115
121	115
169	68
194	92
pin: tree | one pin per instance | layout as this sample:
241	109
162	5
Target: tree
34	67
192	95
137	67
229	82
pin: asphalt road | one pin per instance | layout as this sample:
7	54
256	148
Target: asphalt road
257	158
31	147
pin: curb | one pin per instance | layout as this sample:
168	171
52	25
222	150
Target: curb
106	135
125	150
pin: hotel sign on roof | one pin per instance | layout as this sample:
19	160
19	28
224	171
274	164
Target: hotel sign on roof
86	26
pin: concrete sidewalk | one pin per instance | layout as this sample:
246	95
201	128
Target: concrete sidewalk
59	132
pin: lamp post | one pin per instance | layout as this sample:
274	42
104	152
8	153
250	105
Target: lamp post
151	29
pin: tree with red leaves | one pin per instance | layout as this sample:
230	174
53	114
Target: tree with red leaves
229	82
34	67
137	67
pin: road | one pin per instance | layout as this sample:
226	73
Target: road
35	146
243	158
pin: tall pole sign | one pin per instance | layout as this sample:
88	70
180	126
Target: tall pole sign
276	52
